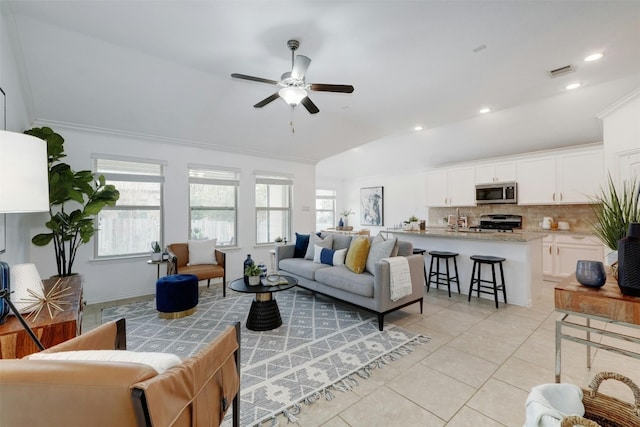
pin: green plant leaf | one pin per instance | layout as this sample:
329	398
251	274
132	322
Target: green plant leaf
42	239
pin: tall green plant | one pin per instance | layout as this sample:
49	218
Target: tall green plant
614	209
75	198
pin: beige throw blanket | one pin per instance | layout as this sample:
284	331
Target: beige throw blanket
400	283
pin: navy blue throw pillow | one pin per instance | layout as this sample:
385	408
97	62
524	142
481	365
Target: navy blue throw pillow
302	241
326	256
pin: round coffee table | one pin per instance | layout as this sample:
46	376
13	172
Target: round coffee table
264	314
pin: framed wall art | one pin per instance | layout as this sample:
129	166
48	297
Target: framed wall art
372	206
3	126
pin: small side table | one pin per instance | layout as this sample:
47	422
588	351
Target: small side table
157	264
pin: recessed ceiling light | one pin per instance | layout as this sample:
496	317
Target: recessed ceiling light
418	128
485	110
594	57
573	86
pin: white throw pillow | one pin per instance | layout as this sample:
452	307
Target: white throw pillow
158	361
202	252
317	250
314	240
339	256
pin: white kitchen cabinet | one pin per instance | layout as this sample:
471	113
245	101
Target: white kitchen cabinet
561	252
567	178
496	172
451	187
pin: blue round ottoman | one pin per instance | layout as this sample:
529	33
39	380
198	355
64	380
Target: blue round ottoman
176	295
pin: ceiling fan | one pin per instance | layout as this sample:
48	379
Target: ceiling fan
294	88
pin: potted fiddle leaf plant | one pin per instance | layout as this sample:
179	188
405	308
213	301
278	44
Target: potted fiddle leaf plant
75	198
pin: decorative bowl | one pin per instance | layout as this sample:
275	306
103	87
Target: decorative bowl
591	273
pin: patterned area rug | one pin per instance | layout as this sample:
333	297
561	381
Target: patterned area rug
322	346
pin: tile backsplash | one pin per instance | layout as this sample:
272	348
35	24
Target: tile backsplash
579	217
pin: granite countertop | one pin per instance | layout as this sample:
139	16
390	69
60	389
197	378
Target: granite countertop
466	234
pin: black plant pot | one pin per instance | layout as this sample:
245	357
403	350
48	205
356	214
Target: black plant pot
629	261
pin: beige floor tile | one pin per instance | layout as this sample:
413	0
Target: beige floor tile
467	417
523	374
460	365
384	407
335	422
450	322
438	393
322	410
486	348
501	402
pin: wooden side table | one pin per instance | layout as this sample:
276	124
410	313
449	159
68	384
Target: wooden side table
15	342
606	304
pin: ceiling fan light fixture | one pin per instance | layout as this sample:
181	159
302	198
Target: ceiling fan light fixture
292	95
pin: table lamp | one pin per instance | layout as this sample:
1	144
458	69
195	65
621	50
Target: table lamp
24	187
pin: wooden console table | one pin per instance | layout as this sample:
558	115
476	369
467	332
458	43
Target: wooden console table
605	304
15	341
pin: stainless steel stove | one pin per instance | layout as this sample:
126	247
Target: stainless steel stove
499	222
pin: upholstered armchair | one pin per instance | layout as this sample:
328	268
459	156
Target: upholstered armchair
178	263
197	391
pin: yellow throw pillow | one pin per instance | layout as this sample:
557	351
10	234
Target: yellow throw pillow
357	254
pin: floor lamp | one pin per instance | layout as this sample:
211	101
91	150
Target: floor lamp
24	187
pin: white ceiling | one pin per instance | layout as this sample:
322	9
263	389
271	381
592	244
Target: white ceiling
162	68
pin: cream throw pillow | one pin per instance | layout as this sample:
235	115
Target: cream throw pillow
314	241
202	252
158	361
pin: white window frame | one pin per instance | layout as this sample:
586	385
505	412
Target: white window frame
333	211
114	178
274	178
217	175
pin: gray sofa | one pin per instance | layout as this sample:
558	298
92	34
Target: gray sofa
365	290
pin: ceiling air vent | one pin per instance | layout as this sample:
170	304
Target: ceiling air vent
561	71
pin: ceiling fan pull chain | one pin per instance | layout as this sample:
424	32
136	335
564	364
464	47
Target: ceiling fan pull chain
293	130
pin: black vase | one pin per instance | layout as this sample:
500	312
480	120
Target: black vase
247	263
629	261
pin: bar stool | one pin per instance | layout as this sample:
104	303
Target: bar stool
478	260
440	277
419	251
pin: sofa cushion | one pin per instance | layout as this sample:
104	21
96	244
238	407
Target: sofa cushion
202	252
314	240
380	248
301	267
356	259
341	241
340	277
302	242
158	361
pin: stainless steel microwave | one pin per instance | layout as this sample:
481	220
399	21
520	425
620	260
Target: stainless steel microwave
498	192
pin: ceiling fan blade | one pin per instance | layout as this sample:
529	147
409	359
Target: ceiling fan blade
255	79
309	105
267	100
300	65
331	88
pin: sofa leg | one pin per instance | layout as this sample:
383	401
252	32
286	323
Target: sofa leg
380	321
208	282
421	306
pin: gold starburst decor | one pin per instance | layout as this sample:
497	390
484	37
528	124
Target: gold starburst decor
51	300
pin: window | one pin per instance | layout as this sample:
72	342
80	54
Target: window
273	206
325	209
129	227
213	204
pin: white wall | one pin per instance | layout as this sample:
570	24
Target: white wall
17	226
117	279
404	195
621	130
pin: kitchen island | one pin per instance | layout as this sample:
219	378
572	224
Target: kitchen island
523	253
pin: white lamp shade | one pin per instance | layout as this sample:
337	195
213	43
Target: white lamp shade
24	181
24	277
292	95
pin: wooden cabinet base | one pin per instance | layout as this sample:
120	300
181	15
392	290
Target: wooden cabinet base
15	342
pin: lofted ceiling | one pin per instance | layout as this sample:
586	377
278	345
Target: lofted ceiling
162	69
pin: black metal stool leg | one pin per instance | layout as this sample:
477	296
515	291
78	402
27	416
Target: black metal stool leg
448	278
504	287
495	284
430	274
473	272
455	267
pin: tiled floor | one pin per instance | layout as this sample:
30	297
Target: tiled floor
477	369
